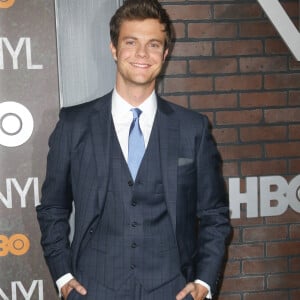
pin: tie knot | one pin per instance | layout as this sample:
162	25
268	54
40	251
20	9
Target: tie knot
136	113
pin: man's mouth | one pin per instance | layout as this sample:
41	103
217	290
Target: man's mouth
138	65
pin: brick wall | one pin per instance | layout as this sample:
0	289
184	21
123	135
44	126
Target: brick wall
230	64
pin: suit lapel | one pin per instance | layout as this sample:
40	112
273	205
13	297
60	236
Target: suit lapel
169	143
101	131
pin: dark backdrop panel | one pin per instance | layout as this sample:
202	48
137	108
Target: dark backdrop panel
29	105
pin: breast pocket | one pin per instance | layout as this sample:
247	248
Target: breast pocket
186	171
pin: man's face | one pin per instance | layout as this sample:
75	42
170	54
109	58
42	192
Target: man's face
140	52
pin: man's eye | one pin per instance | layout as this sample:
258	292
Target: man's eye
130	43
154	45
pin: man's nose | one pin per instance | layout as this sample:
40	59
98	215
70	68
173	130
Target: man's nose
142	51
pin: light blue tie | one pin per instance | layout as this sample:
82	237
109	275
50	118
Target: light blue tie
136	144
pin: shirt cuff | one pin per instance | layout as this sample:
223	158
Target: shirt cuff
61	281
209	295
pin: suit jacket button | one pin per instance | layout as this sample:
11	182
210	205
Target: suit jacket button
134	224
130	183
133	245
133	203
132	267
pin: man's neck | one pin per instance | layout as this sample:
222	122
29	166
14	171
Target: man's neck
136	95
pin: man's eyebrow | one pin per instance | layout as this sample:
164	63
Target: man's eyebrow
156	40
129	37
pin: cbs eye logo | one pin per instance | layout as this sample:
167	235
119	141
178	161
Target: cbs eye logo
6	3
16	124
17	244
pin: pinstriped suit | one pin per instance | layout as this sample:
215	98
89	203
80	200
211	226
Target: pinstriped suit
79	169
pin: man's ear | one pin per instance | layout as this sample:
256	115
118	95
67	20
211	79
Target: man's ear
113	50
166	52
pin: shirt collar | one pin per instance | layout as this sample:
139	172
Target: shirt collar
120	108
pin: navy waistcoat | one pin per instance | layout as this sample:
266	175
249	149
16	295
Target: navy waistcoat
135	235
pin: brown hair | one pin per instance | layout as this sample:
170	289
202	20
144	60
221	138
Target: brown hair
139	10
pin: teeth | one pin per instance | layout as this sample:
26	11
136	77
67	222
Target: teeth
141	65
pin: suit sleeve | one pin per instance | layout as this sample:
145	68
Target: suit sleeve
212	210
56	202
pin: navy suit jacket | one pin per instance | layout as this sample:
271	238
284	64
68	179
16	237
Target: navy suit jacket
78	170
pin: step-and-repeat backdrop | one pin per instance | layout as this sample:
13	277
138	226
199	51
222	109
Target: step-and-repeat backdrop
29	107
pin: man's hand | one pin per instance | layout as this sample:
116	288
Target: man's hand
198	291
72	284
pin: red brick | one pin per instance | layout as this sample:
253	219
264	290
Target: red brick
261	266
238	152
279	81
257	29
229	297
175	67
185	49
244	221
295	264
239	117
263	133
292	8
280	115
179	100
282	248
290	216
260	168
213	66
282	149
210	116
212	30
294	64
283	281
295	231
230	169
263	99
213	101
237	11
294	166
232	268
238	47
294	132
189	12
225	135
263	64
179	30
236	236
295	295
238	82
246	251
243	284
270	233
268	295
190	84
276	46
294	98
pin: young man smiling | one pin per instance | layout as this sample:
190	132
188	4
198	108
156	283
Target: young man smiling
151	216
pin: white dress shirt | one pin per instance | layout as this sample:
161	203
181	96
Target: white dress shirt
122	118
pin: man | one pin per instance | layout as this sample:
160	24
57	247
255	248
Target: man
142	172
